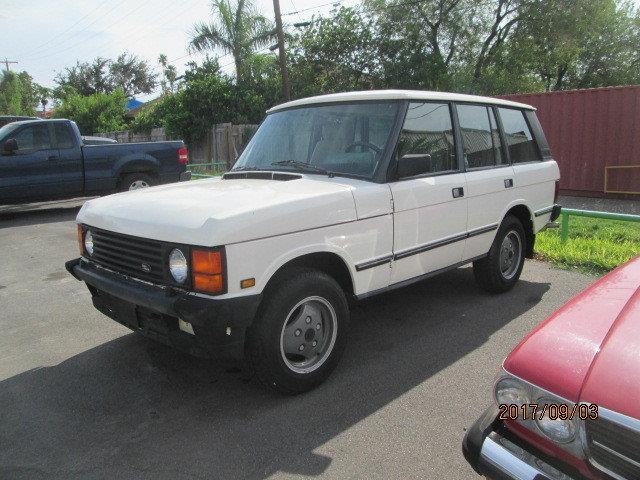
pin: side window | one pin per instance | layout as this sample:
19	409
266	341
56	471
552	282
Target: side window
522	146
64	139
427	133
480	136
33	138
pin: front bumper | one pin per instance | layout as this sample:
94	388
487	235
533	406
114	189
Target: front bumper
492	454
219	325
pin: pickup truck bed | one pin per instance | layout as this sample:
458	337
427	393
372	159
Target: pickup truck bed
47	160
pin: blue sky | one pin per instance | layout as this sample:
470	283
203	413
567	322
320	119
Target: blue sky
45	36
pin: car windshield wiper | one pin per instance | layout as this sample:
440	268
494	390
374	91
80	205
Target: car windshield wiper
244	168
304	166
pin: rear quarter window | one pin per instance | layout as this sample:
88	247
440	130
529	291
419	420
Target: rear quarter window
521	143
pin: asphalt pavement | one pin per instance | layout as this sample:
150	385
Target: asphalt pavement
83	397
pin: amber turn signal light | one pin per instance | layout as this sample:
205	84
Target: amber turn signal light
207	268
81	239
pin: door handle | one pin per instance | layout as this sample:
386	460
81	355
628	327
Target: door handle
457	192
52	157
508	182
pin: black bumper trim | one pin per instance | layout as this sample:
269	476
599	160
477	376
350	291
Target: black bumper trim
210	317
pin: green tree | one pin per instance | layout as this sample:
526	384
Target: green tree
169	81
335	54
11	93
99	112
236	28
205	97
132	75
127	72
43	95
84	78
579	43
19	94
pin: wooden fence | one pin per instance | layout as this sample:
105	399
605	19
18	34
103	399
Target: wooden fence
223	143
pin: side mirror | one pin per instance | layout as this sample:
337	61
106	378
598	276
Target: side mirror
414	164
10	146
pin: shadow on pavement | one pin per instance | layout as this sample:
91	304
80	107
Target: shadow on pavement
38	213
132	408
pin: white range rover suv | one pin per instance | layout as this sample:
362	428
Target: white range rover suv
336	197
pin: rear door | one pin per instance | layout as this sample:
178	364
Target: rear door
535	171
32	172
489	176
430	210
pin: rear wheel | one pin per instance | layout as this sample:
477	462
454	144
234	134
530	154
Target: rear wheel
501	269
135	181
300	332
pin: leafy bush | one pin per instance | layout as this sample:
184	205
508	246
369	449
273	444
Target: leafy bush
100	112
204	101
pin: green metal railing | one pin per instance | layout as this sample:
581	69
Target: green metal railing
207	170
565	213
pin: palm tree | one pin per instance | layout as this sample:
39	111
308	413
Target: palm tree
237	29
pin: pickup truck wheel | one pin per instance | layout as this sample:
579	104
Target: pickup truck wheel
500	270
135	181
300	332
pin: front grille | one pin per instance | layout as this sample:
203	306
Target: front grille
138	257
614	447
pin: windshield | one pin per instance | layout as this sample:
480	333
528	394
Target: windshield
8	128
347	139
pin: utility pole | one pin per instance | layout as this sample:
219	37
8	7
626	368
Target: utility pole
7	62
286	89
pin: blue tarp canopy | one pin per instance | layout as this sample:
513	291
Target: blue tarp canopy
133	103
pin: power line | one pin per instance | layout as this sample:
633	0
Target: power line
48	45
48	42
335	3
135	35
105	28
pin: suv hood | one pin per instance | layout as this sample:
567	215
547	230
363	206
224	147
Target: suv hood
589	350
220	212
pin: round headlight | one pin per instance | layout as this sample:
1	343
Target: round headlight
178	265
560	431
88	242
511	392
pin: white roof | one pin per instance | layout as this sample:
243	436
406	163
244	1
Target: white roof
398	95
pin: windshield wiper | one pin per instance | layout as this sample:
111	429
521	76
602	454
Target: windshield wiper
244	168
305	166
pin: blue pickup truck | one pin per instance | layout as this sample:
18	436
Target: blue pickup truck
48	160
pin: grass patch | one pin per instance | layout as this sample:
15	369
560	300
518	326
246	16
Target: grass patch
211	169
594	245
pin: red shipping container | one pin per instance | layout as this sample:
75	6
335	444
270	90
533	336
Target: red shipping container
594	135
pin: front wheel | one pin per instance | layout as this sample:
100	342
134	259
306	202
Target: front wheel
499	271
299	334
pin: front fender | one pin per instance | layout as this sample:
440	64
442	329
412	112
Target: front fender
292	255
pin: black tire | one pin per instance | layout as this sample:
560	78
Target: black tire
264	348
128	180
489	272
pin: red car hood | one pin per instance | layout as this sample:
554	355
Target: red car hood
589	350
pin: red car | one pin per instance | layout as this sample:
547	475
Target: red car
567	401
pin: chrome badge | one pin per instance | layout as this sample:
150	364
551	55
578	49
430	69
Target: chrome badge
145	267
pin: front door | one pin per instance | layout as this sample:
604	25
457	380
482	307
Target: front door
30	173
430	209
